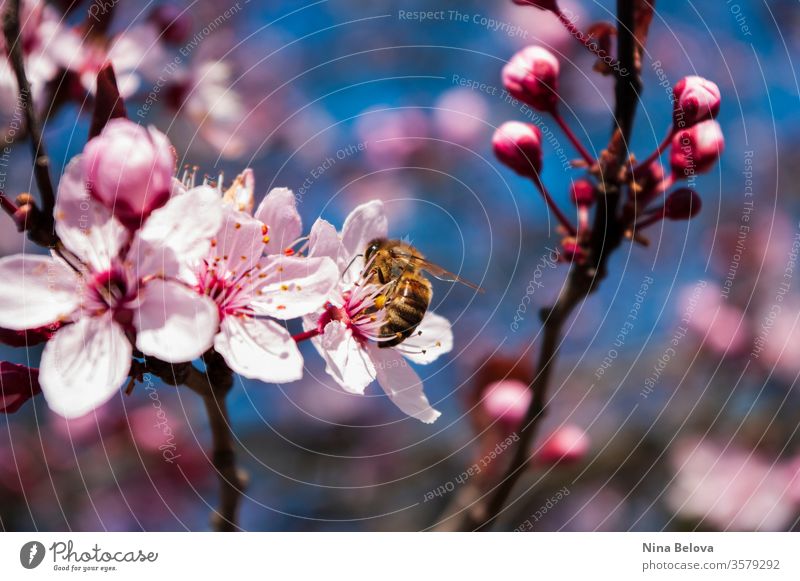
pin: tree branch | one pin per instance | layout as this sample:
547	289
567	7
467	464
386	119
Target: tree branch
213	387
607	234
44	230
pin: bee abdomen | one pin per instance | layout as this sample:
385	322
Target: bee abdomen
405	311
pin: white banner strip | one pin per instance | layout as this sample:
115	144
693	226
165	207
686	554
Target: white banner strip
400	556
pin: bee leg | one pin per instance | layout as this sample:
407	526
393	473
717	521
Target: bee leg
394	342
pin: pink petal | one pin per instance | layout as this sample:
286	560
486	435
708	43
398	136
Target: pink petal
86	227
138	53
84	365
346	362
364	224
295	286
36	291
178	234
433	337
278	210
259	349
323	240
239	244
173	322
402	384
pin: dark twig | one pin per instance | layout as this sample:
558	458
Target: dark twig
607	234
214	386
44	231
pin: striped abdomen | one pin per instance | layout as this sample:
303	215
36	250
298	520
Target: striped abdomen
405	308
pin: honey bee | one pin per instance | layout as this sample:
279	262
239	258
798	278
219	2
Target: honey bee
400	266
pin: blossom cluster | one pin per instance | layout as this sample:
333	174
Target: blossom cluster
152	266
157	61
695	142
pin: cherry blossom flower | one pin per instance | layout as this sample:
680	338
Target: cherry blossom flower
39	27
212	103
730	487
347	330
136	53
253	279
118	287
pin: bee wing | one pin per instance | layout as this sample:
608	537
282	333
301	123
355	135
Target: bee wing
435	270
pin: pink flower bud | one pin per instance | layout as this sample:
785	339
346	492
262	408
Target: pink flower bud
129	170
682	204
550	5
532	77
697	149
506	402
18	384
582	193
566	444
519	146
696	99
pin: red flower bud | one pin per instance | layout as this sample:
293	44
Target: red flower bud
582	193
550	5
28	337
18	384
696	99
519	146
566	444
682	204
532	77
697	149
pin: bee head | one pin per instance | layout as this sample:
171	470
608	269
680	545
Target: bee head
372	248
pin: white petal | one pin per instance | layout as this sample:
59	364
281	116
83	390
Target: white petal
178	234
294	286
433	337
84	365
402	384
323	240
346	361
259	349
85	226
173	322
35	291
239	243
278	210
365	223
